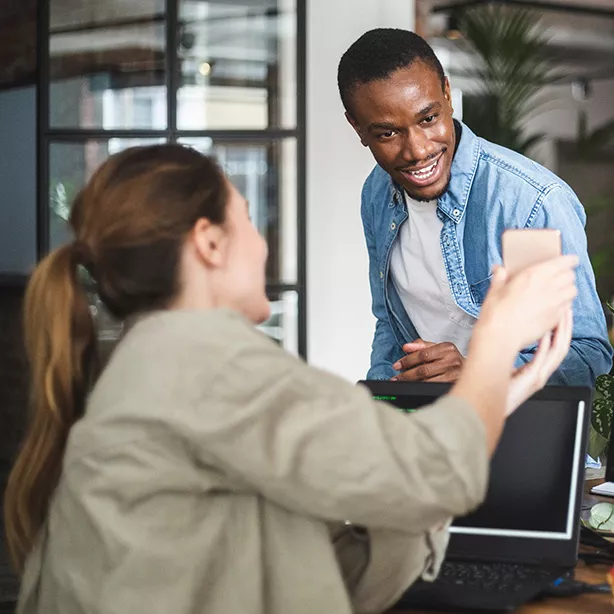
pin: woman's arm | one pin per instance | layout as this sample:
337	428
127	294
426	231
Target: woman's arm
321	446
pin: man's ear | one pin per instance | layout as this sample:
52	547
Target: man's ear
447	92
354	125
210	243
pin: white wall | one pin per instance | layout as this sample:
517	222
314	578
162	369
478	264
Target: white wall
339	322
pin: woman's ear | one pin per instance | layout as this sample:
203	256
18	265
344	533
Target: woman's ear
210	243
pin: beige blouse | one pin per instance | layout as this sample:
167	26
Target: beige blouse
212	474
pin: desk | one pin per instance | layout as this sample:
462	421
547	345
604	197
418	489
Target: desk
583	604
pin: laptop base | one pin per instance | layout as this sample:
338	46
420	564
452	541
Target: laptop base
480	587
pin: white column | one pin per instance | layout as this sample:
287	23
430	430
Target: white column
339	321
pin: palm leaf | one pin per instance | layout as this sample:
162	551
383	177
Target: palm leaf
601	261
527	143
590	143
510	70
602	136
598	204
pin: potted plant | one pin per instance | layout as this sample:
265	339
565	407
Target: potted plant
601	419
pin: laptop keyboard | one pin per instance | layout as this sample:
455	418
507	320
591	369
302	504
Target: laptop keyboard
492	576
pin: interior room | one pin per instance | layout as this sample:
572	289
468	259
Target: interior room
254	85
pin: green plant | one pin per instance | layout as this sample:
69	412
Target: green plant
61	196
511	68
599	211
595	145
601	418
593	142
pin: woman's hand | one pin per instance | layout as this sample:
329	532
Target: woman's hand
522	309
517	311
533	376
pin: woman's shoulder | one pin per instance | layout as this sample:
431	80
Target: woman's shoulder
167	365
182	329
194	347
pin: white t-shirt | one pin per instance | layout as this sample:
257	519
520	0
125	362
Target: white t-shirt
419	275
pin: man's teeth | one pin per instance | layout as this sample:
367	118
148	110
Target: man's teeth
425	173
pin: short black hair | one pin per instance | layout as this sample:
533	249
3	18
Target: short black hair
380	52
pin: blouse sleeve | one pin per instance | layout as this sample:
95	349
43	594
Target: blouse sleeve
318	445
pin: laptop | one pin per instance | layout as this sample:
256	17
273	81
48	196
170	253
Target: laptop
525	535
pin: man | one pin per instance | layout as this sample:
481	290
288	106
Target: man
434	210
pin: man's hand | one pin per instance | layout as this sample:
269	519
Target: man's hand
429	362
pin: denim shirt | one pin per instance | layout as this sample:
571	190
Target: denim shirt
491	189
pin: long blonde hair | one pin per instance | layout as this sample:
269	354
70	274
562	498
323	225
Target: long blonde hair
130	222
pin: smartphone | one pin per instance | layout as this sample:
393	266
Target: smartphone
525	248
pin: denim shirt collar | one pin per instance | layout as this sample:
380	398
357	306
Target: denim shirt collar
453	201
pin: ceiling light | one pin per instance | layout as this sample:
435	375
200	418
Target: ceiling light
453	32
581	89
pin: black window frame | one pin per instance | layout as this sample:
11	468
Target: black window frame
46	135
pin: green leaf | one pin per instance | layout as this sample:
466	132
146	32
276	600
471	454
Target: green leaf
526	144
602	517
597	444
510	67
598	204
603	409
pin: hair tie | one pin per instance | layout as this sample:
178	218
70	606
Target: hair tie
82	255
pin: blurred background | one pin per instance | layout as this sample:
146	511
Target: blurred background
538	77
253	82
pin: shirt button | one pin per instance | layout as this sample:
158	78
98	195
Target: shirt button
393	226
456	213
381	275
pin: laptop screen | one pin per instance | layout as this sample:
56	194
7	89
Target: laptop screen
534	472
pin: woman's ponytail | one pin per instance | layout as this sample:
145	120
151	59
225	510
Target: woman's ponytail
61	347
131	220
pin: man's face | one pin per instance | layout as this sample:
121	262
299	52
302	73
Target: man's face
406	122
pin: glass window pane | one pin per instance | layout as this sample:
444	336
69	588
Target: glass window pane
238	64
107	65
283	323
72	164
64	14
265	174
70	167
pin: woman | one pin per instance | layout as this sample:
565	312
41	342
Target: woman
208	470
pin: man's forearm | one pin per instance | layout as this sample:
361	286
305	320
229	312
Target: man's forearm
585	362
385	352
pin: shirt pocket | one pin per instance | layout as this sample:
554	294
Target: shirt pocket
479	290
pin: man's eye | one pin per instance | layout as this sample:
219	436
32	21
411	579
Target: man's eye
429	120
386	135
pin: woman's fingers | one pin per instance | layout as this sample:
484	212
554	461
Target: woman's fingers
533	376
561	341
